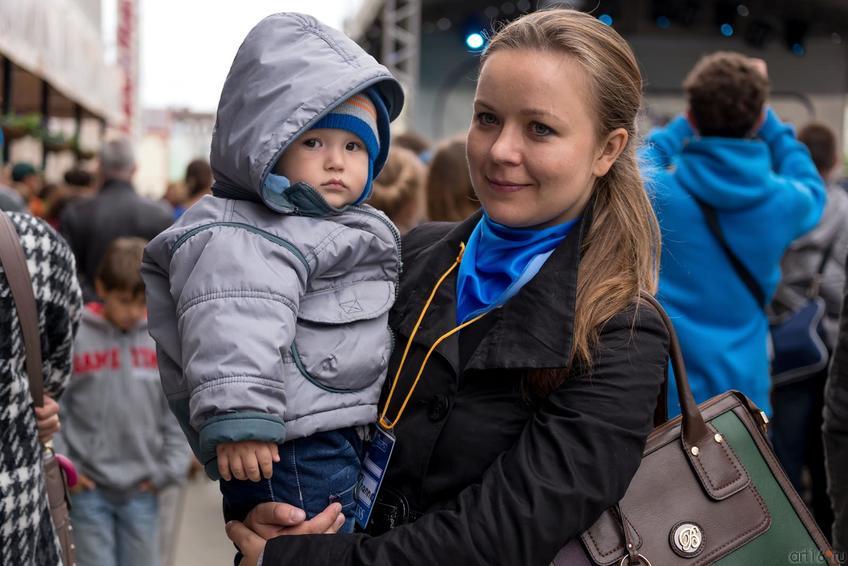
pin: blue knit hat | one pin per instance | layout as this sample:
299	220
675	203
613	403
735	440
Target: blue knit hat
358	115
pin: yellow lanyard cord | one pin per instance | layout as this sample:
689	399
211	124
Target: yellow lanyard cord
389	425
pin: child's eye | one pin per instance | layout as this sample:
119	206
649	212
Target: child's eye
353	146
540	129
486	119
312	142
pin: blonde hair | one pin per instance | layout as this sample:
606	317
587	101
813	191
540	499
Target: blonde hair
399	189
620	252
450	196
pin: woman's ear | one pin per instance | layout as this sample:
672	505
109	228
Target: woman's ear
611	148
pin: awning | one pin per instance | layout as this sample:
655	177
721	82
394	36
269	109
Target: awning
55	41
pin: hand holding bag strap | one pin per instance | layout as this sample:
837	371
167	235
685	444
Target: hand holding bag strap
17	273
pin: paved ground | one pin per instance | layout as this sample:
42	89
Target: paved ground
200	536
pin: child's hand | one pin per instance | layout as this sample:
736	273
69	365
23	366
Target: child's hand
147	486
247	459
84	483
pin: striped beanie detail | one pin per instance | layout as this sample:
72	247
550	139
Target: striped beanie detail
357	115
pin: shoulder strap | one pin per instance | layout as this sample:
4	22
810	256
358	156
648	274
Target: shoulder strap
828	251
739	267
14	264
815	285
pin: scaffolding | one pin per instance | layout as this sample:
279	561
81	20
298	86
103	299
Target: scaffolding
399	22
401	49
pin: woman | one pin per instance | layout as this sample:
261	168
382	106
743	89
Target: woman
198	183
450	194
26	531
399	189
530	420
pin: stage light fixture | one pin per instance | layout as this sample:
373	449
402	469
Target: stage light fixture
795	35
757	33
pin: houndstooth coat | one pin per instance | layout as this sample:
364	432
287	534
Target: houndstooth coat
26	533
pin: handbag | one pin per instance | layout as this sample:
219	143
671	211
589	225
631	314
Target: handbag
709	490
56	481
797	339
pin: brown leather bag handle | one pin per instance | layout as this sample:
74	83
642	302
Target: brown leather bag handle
20	283
694	429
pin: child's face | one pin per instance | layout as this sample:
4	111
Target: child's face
122	308
333	161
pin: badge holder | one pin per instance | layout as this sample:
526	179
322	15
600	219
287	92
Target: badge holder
373	471
382	445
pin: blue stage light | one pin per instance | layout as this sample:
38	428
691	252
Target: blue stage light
475	40
663	22
605	19
726	30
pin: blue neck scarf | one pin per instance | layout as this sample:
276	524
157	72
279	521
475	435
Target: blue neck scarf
498	261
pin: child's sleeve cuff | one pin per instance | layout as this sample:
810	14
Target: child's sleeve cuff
237	427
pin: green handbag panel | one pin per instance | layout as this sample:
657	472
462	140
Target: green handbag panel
787	541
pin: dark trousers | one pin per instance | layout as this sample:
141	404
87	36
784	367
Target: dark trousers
797	438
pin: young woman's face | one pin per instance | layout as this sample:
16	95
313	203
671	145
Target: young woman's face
533	151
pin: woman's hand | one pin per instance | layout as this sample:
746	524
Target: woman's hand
249	543
47	419
269	520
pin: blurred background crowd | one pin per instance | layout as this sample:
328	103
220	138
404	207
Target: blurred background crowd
90	146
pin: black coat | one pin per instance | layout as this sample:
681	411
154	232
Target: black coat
836	432
501	479
90	225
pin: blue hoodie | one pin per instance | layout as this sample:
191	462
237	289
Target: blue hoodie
767	193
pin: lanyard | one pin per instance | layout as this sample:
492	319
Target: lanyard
390	424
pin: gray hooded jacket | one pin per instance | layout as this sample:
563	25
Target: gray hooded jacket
801	263
269	307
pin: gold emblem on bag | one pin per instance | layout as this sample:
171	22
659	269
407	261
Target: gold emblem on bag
687	539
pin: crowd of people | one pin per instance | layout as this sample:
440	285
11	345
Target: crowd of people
285	315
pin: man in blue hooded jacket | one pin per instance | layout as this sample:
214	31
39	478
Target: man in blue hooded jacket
732	157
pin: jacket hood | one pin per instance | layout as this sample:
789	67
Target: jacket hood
289	72
94	315
726	173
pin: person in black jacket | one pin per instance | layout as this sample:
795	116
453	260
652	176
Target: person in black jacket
531	413
117	211
836	435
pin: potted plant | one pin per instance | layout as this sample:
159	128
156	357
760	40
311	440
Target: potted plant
56	142
16	126
80	152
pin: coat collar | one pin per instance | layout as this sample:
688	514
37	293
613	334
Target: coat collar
116	185
532	330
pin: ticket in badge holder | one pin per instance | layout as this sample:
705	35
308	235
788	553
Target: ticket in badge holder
373	471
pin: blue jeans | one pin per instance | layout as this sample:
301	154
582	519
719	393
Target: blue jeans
312	473
111	531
